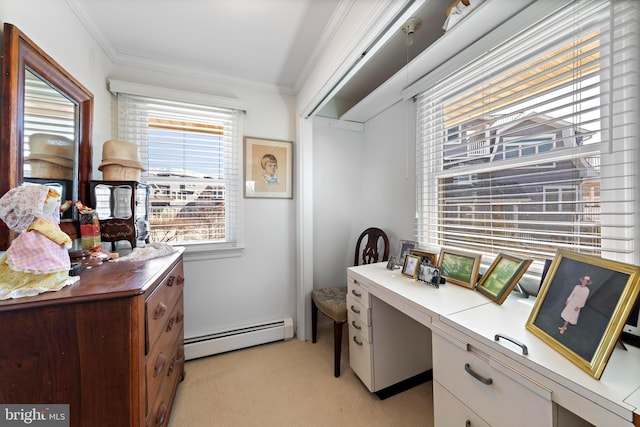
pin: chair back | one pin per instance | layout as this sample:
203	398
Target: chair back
370	253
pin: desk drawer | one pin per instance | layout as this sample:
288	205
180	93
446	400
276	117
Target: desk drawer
449	411
360	328
357	292
490	389
356	310
360	357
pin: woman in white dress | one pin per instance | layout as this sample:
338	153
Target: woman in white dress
574	303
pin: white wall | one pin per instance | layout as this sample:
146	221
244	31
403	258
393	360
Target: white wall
361	179
222	293
259	285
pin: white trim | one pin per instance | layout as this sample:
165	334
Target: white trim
119	86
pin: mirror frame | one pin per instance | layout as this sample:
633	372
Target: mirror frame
18	53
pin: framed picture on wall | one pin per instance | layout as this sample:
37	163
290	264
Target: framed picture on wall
268	169
582	307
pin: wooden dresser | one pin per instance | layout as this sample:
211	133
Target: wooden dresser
110	346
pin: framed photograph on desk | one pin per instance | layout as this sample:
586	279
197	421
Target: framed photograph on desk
458	267
502	276
582	307
410	266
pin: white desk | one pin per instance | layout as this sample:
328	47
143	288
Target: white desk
464	323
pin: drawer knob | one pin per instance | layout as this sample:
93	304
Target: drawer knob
355	325
355	340
160	362
180	280
467	424
474	374
162	414
172	365
170	323
171	280
355	310
161	309
354	293
180	316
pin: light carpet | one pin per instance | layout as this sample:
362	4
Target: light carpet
290	383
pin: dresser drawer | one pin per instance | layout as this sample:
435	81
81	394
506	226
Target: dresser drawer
160	408
449	411
161	303
357	292
163	354
356	310
490	389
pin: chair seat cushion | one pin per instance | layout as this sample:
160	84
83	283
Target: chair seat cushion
332	302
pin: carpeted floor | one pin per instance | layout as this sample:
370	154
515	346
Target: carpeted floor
290	383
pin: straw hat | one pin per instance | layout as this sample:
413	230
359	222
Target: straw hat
51	148
119	152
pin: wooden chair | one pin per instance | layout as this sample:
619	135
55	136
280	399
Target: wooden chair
332	302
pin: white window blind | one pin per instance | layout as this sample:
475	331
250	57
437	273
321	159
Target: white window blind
533	146
191	153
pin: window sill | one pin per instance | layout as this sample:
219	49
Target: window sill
205	251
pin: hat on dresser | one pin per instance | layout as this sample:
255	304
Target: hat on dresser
51	148
122	153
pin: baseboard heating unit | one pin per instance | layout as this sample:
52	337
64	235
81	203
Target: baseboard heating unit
246	336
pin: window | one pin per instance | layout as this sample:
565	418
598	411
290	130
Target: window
533	146
192	155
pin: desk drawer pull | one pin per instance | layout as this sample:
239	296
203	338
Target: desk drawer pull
483	380
355	340
524	348
355	325
355	310
356	294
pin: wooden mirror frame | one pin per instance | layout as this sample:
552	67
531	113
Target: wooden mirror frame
18	53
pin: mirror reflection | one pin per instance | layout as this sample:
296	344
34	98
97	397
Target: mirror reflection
113	201
49	148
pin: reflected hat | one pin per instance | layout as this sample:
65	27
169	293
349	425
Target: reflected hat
51	148
119	152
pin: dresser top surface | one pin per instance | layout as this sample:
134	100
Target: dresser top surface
109	280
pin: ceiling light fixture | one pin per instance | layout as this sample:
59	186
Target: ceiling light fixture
410	28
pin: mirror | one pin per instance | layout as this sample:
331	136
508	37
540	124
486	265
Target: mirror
46	123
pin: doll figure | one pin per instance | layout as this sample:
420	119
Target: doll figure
37	260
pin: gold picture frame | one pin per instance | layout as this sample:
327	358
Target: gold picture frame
584	325
432	258
410	266
459	267
268	170
502	276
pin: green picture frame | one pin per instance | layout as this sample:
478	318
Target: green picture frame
502	276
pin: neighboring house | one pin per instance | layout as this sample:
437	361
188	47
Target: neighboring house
521	196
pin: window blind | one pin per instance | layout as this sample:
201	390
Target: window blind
533	146
191	154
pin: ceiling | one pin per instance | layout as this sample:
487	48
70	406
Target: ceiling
273	43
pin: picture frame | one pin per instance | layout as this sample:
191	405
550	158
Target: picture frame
428	273
391	263
404	249
502	276
410	266
459	267
268	169
584	326
432	258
